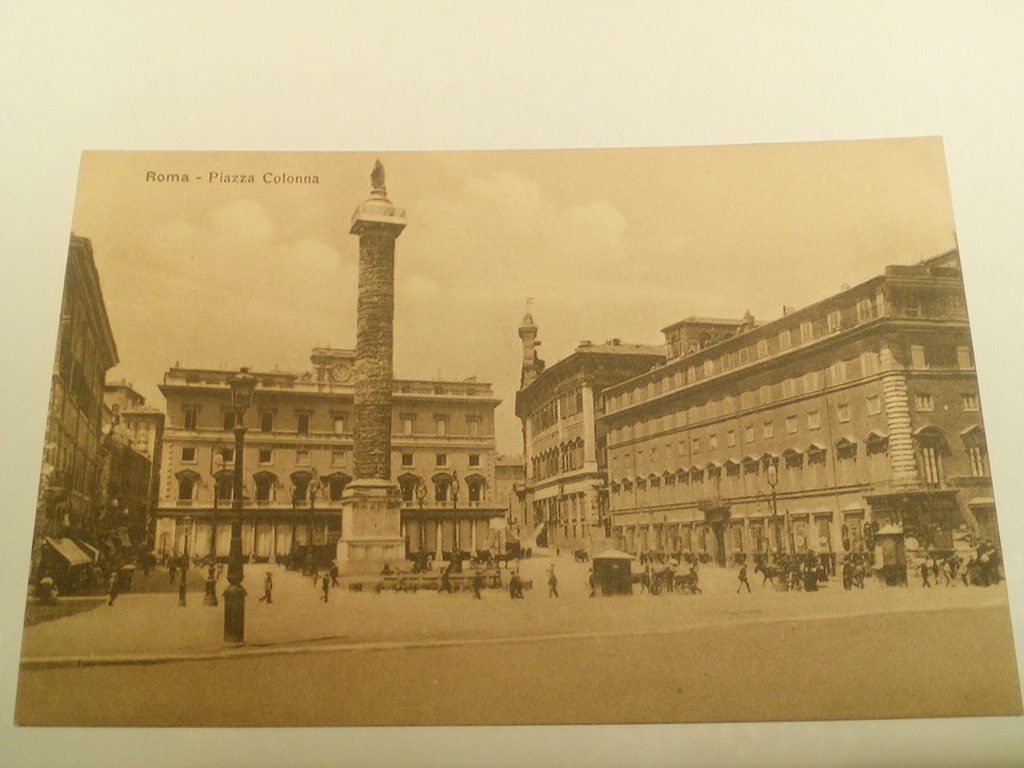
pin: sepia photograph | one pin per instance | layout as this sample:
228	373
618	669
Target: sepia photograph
537	437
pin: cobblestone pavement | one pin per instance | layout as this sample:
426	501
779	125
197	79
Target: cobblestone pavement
153	624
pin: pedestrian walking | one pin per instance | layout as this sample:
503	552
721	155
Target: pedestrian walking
593	583
552	582
316	573
743	579
925	573
478	584
515	586
334	573
113	586
325	585
268	586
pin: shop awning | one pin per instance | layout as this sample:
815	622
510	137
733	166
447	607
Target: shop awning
89	549
67	549
613	554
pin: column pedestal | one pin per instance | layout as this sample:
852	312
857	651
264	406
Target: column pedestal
371	528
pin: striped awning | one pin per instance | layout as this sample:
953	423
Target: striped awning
67	549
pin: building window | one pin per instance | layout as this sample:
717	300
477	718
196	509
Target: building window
337	485
227	455
406	459
917	358
229	420
303	425
264	486
186	486
768	430
749	433
266	456
441	485
408	423
339	423
806	331
874	405
695	445
301	458
924	402
709	368
337	458
712	442
843	412
224	487
869	362
839	372
762	347
865	311
190	418
846	449
978	461
474	459
834	321
816	455
473	422
930	465
788	388
730	438
970	401
791	424
785	340
267	421
441	459
441	425
475	487
188	454
964	358
813	420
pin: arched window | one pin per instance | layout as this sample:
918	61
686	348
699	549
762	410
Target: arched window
265	482
793	459
815	454
442	487
846	449
475	485
875	444
187	482
300	487
225	486
931	446
977	451
336	484
408	484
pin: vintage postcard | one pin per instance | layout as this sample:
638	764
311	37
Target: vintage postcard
525	437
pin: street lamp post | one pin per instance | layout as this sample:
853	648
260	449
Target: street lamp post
183	582
773	480
243	384
211	572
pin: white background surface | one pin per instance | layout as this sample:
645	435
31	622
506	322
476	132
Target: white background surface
451	75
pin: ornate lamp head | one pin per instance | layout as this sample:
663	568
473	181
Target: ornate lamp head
243	385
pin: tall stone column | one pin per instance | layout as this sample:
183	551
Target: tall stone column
371	530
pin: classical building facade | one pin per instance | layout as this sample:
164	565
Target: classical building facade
71	492
299	460
135	443
851	424
565	489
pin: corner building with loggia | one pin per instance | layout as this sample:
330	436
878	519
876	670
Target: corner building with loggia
850	425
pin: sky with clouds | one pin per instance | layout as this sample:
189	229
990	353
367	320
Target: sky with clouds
608	243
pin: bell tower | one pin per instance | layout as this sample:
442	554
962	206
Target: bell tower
532	365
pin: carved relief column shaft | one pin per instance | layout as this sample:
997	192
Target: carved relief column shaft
374	353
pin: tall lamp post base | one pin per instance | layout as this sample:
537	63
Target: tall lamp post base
211	588
234	614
